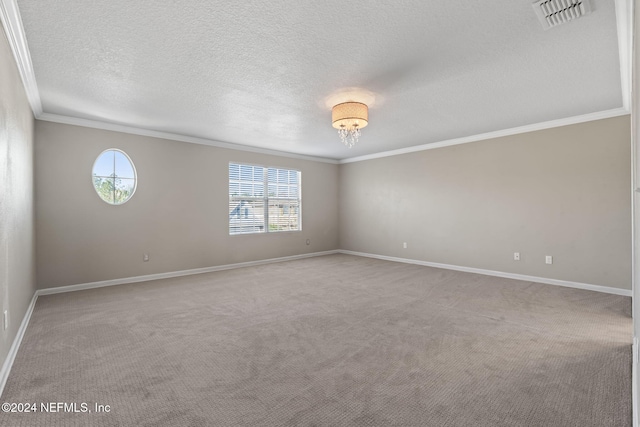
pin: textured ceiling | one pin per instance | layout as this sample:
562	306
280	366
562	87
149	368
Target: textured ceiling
265	73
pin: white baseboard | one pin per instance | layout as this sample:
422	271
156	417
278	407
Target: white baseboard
170	274
8	363
547	281
13	351
634	381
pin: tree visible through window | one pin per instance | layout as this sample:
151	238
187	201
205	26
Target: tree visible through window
263	199
114	176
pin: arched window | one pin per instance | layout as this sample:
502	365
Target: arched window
114	176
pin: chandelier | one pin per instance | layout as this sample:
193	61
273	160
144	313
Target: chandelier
349	118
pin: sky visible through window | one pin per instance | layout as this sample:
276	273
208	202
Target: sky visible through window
114	177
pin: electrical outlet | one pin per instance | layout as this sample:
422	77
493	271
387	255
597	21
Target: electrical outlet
516	256
5	320
404	245
308	242
145	257
548	259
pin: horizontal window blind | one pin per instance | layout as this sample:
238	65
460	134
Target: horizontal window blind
252	210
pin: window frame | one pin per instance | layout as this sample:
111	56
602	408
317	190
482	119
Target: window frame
135	176
266	200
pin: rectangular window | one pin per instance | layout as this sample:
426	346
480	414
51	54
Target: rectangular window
263	199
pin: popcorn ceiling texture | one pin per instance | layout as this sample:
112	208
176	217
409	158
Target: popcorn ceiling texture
328	341
259	73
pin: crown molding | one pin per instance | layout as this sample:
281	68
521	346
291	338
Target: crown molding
624	24
12	23
95	124
496	134
14	30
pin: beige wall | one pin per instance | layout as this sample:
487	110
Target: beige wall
178	214
17	248
562	192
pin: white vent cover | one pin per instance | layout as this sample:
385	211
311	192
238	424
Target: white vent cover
556	12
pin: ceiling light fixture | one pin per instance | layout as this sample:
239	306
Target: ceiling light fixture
349	118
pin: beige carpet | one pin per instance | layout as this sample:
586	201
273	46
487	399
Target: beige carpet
329	341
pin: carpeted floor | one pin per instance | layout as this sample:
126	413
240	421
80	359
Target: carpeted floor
329	341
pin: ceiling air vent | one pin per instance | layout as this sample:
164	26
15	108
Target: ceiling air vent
555	12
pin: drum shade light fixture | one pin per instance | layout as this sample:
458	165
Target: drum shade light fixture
349	118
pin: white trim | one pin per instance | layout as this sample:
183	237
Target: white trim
10	17
13	351
633	90
95	124
547	281
135	176
12	23
496	134
634	382
170	274
624	24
